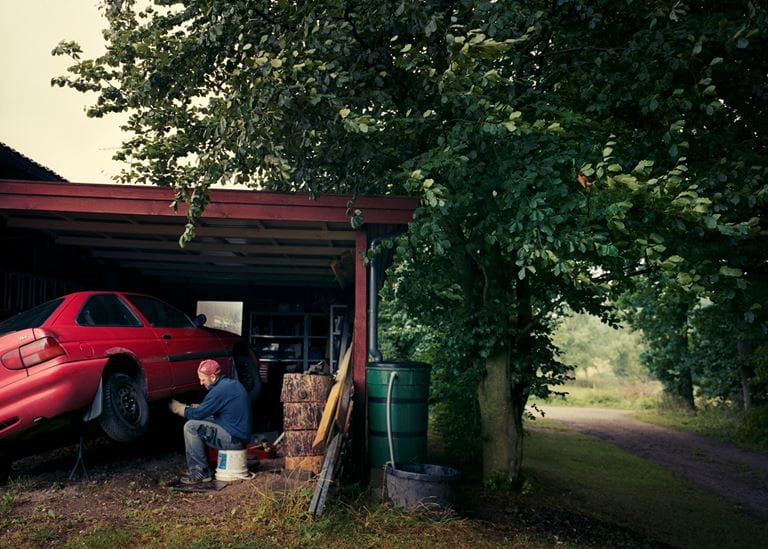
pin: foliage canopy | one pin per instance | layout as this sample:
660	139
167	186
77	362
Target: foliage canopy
557	147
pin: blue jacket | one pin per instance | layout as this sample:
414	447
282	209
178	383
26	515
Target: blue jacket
228	405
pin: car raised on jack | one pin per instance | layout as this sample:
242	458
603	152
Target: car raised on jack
102	357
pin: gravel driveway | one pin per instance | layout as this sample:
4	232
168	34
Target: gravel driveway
733	473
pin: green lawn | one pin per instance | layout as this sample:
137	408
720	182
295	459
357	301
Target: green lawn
578	472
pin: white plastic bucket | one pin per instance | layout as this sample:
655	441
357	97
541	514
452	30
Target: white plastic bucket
232	465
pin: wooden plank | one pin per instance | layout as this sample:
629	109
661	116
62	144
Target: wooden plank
329	413
175	229
93	242
320	495
194	257
223	196
344	402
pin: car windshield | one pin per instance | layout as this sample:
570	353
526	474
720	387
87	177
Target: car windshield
32	318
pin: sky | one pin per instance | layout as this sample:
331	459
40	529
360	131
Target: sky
44	123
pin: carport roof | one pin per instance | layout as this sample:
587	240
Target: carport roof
262	238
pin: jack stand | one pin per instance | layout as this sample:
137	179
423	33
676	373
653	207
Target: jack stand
79	470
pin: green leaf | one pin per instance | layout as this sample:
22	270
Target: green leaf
730	271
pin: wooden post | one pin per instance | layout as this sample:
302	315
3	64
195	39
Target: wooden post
360	357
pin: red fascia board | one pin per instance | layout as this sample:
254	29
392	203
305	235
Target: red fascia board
141	200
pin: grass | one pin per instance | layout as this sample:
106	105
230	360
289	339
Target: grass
100	538
579	492
578	472
281	519
607	392
721	422
650	404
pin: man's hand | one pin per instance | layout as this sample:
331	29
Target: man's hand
177	407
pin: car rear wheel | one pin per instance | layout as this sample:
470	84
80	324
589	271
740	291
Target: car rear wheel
125	413
248	374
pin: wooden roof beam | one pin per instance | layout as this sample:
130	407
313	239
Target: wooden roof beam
176	229
195	246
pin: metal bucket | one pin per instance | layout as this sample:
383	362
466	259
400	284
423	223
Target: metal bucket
420	485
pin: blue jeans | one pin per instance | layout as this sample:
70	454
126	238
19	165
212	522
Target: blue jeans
201	433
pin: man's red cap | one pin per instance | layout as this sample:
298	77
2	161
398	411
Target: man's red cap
209	367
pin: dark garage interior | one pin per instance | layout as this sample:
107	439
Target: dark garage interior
285	272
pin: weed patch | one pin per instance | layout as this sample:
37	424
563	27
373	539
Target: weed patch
102	538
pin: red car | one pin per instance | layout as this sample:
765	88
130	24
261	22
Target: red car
102	356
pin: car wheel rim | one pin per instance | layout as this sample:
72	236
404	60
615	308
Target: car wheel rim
128	404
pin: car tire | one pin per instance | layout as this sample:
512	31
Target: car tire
248	375
125	413
5	469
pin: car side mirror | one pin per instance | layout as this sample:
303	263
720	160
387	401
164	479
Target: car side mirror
199	320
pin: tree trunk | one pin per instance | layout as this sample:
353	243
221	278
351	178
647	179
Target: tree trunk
744	352
685	388
502	433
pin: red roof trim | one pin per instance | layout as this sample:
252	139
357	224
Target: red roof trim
140	200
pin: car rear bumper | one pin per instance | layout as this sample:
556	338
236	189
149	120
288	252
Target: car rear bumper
48	392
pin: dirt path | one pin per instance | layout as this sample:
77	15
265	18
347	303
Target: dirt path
733	473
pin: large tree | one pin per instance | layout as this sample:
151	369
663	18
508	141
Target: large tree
545	139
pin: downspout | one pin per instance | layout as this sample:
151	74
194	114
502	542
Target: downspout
373	300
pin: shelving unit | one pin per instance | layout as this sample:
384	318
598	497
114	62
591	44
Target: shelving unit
293	339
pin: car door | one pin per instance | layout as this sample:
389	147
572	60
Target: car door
107	325
185	344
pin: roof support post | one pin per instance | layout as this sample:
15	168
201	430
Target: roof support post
360	355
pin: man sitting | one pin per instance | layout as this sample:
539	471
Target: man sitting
222	421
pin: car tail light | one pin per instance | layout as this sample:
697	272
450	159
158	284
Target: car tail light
40	351
12	360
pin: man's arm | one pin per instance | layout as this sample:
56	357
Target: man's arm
211	404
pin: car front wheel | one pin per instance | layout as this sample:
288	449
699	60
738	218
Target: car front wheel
125	414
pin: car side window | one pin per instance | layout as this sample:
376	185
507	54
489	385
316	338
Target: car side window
159	314
106	310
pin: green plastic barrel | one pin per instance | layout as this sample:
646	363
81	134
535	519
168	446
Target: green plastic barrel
410	392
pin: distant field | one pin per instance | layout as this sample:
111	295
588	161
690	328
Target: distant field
609	392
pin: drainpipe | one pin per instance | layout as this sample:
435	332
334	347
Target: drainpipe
373	301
